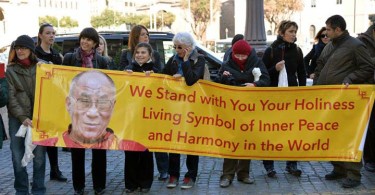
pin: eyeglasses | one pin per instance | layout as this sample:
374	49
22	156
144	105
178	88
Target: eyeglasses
177	47
101	105
20	48
323	36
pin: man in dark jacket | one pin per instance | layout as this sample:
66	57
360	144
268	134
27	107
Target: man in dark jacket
344	60
368	38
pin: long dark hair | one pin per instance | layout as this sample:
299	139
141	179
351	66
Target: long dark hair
317	37
134	35
41	29
145	45
90	33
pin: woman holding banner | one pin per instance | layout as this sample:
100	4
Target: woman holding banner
21	75
284	59
243	68
139	165
44	51
187	63
139	34
86	56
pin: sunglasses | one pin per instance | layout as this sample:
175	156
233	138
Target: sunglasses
20	48
323	36
177	47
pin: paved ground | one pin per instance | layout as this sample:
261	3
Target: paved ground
311	182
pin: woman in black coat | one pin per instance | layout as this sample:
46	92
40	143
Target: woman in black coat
187	63
243	68
284	53
139	165
310	59
86	56
44	51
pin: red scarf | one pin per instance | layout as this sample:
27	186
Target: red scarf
87	58
25	62
240	63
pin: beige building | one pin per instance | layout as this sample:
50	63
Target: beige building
19	17
314	15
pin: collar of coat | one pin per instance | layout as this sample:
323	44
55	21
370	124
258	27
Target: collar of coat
345	35
368	37
22	70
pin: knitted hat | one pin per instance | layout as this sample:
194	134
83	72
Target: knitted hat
25	41
241	47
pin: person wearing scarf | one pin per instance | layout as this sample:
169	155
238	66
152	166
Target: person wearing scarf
239	70
86	56
21	75
310	59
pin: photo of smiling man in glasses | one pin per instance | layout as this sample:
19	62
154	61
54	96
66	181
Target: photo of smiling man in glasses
90	105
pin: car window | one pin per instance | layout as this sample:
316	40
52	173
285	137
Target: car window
168	50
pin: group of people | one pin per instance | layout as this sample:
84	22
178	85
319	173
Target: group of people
337	58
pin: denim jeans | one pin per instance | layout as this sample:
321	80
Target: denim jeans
162	161
21	178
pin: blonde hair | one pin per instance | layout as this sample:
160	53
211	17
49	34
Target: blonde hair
105	50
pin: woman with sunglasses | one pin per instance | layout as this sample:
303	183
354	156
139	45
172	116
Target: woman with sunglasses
187	63
285	55
310	59
44	51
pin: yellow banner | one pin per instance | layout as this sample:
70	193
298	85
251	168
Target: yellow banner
161	113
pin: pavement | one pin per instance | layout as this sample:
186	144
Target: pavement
311	181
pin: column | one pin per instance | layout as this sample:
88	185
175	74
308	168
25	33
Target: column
254	26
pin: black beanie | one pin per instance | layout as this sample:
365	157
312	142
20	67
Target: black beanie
25	41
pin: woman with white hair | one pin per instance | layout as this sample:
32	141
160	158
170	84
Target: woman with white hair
187	63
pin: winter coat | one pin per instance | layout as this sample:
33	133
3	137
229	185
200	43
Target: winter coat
369	40
53	56
293	56
239	77
74	59
21	83
349	63
310	59
192	70
3	102
127	58
135	67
